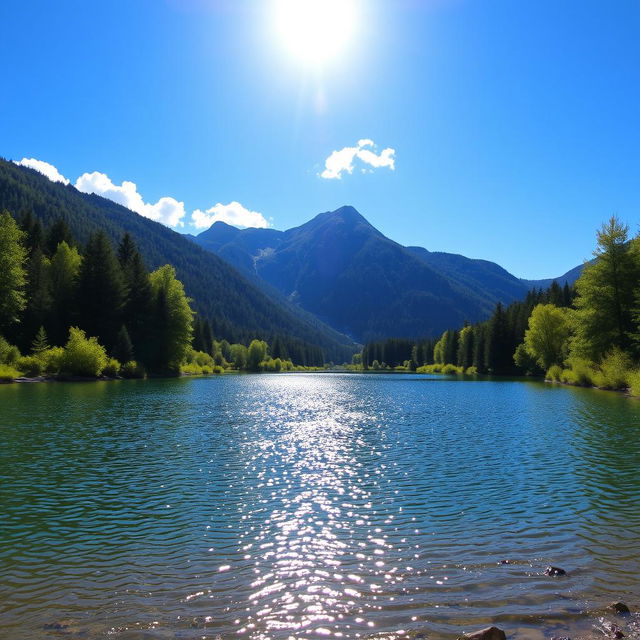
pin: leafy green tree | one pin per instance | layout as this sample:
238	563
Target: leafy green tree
173	320
239	356
606	294
257	352
12	271
465	347
546	338
101	291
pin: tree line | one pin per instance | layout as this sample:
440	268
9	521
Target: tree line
101	303
588	334
484	347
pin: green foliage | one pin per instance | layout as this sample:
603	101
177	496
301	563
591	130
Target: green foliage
51	360
31	366
256	353
123	349
554	373
101	290
546	339
524	360
12	271
606	295
239	356
132	369
452	369
40	343
83	356
9	353
112	368
64	271
634	382
471	371
173	320
615	369
8	373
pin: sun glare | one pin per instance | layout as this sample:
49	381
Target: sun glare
315	32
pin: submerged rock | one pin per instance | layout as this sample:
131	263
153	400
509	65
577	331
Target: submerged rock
620	608
554	571
613	630
490	633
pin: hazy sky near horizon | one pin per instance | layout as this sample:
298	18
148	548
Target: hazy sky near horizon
496	129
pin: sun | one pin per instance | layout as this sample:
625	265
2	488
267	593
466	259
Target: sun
315	32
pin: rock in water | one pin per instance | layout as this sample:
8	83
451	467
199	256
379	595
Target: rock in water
555	571
613	630
490	633
620	608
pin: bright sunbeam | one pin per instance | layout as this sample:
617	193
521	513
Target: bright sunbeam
315	32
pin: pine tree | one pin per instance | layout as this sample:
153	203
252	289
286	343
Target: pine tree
57	233
40	343
123	349
605	294
101	290
39	301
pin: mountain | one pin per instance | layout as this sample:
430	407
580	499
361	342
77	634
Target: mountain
343	270
570	278
237	308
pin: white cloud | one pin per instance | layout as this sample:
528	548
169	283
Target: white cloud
365	151
167	210
44	168
233	213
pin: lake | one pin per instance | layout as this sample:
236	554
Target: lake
315	505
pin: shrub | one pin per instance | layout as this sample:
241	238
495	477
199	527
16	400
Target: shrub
615	370
451	368
8	373
83	356
472	371
582	372
132	369
568	377
51	359
8	353
634	382
217	369
112	368
32	366
554	373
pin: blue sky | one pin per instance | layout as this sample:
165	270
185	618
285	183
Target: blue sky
513	128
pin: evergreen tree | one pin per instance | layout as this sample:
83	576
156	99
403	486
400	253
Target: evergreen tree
39	301
499	345
605	294
102	291
40	343
57	233
123	349
12	271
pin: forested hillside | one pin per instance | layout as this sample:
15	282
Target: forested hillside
236	309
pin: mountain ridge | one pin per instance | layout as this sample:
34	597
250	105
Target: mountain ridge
317	264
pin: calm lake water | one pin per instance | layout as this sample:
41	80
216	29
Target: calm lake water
317	505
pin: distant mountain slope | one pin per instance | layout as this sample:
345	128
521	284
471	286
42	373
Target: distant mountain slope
237	309
339	267
570	277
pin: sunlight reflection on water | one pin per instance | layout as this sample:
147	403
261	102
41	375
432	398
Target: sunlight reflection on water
293	506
